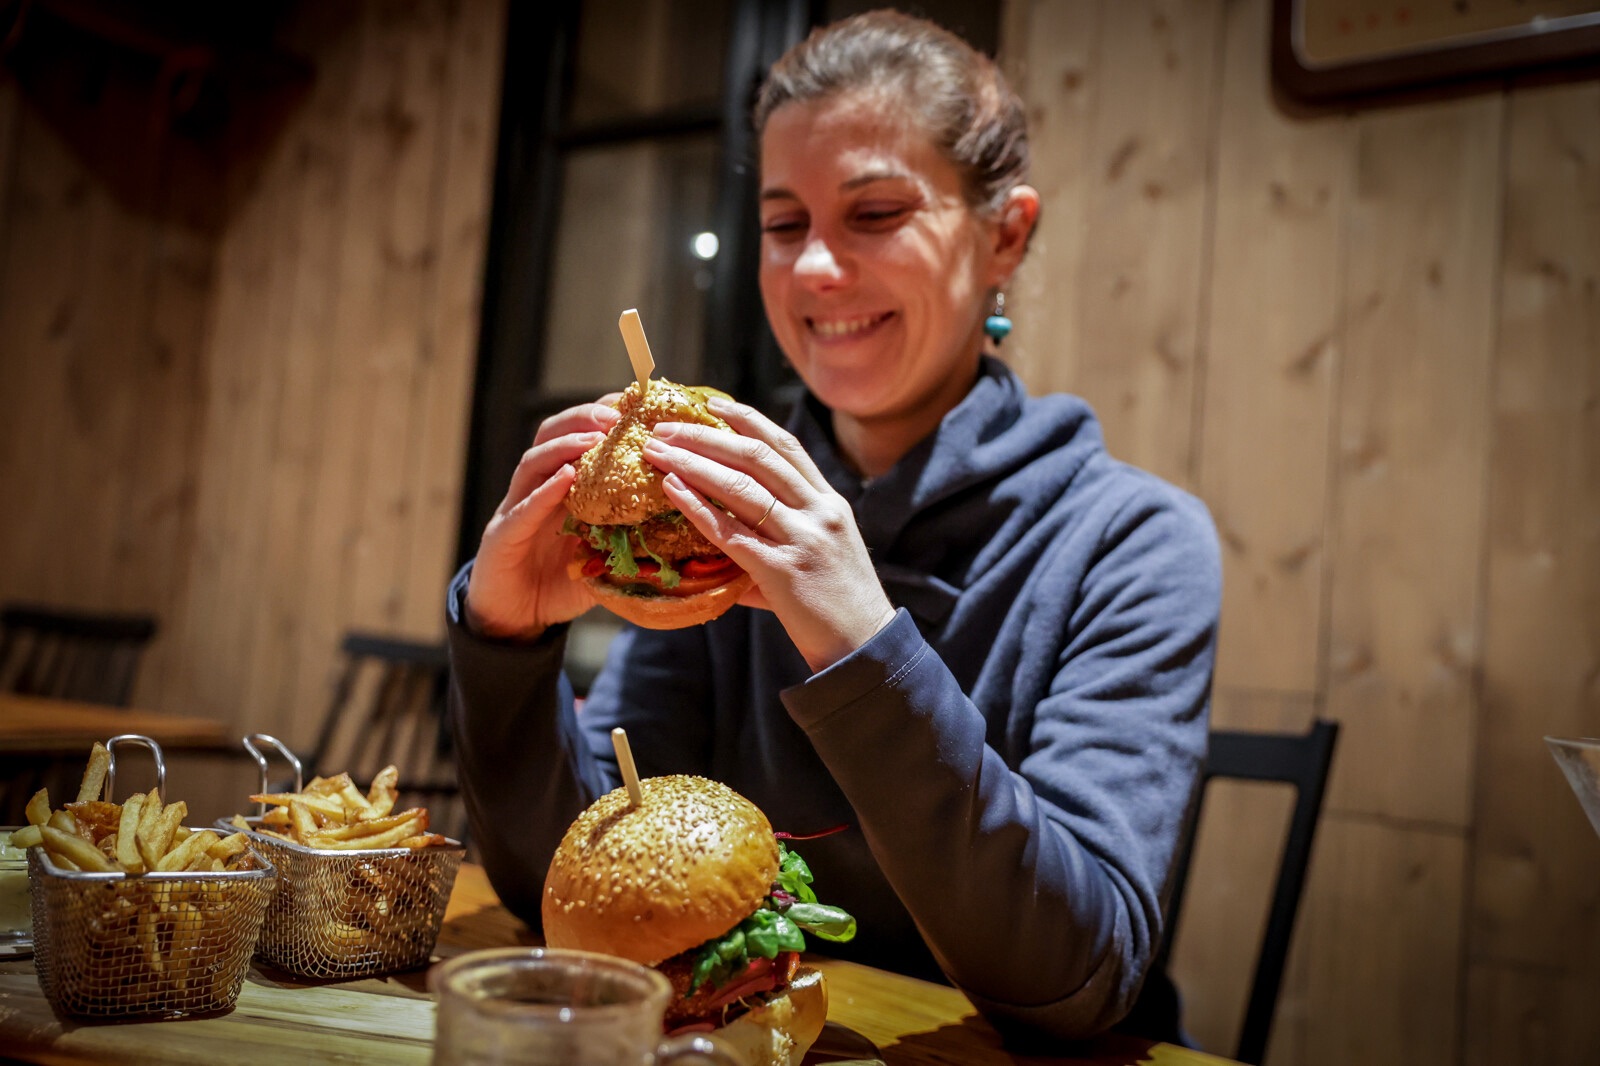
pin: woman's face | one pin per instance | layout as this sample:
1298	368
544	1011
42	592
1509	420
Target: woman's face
874	271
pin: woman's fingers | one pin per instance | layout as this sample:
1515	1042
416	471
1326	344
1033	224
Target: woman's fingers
585	417
520	519
541	460
752	423
725	470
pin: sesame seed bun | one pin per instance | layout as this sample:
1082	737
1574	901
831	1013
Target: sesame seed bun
615	486
650	881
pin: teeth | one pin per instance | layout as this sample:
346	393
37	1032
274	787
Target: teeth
841	327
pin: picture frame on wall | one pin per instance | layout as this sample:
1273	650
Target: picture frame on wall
1328	50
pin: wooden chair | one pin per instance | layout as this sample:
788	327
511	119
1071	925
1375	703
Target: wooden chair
69	655
73	655
1302	761
388	706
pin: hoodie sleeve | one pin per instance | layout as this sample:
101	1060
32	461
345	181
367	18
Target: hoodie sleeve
524	767
1038	885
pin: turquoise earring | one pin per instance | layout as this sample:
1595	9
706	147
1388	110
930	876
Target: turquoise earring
997	325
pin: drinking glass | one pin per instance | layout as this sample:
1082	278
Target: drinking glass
543	1006
16	916
1579	759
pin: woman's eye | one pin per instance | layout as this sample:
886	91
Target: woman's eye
783	226
880	214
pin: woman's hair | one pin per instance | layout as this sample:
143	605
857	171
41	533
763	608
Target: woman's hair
957	92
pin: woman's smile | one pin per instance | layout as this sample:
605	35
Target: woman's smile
828	330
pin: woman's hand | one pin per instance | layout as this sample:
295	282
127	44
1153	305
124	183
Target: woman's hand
519	584
783	523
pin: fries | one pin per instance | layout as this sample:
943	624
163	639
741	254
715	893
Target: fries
331	813
366	881
137	836
164	936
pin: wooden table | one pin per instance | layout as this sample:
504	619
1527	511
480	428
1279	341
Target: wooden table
389	1021
31	725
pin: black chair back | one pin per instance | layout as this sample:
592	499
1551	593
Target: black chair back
388	706
1302	761
73	655
68	655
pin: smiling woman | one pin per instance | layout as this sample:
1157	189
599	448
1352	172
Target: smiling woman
971	634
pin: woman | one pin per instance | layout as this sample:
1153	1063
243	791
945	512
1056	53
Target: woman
974	636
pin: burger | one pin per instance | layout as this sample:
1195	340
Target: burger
693	881
641	558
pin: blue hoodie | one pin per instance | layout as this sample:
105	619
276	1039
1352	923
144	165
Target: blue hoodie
1014	752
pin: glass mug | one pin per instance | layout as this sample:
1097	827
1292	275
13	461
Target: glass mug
546	1006
16	917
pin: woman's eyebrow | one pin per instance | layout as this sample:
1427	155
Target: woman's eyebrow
867	178
871	176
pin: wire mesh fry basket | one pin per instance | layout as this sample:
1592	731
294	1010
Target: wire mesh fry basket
119	945
351	913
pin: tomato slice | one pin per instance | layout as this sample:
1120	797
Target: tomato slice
705	565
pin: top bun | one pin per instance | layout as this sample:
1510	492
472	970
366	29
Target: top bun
615	486
651	881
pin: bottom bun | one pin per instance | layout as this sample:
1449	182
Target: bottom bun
666	611
782	1030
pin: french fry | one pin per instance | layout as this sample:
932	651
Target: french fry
301	819
374	826
99	816
386	839
385	791
424	840
327	805
156	836
127	851
38	808
179	857
64	822
355	804
240	822
148	942
27	837
229	846
150	813
94	776
329	786
75	849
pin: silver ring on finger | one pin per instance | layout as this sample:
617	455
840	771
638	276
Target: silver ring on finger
764	514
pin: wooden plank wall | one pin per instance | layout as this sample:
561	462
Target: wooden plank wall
1370	341
255	429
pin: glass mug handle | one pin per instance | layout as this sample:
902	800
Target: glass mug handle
696	1049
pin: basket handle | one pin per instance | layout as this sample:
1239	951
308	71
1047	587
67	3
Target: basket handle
111	764
261	761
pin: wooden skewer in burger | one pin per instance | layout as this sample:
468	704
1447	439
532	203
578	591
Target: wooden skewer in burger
689	878
638	554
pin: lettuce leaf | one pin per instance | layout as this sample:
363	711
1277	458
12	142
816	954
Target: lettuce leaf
775	927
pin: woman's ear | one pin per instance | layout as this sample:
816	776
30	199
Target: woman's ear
1012	230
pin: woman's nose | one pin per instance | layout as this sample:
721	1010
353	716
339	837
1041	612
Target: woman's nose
817	264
